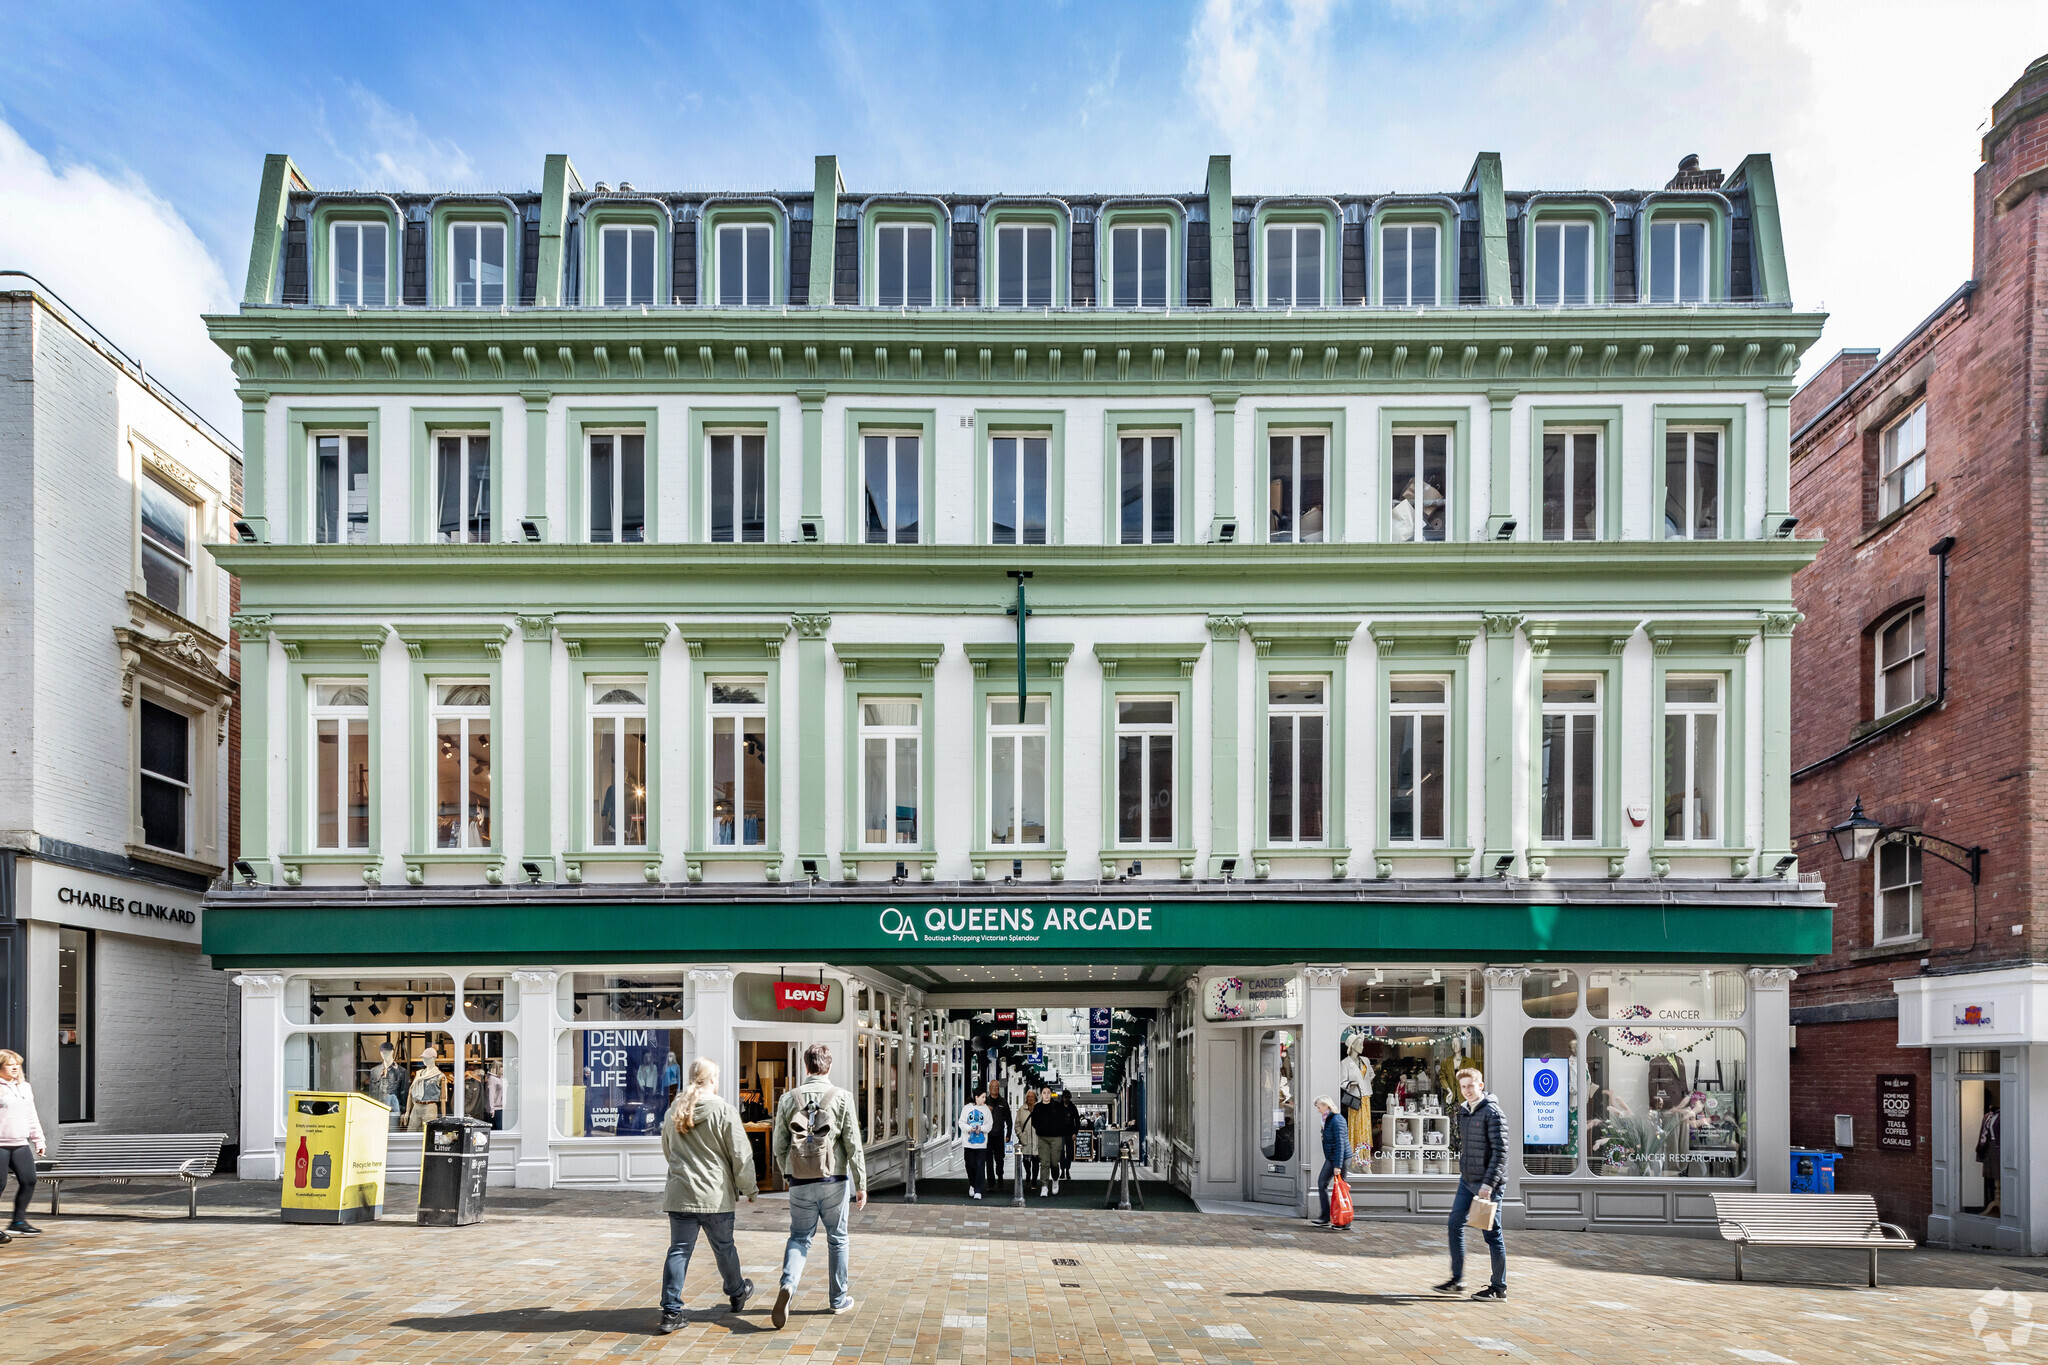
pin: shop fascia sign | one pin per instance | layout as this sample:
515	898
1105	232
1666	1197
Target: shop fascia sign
134	905
1022	925
802	995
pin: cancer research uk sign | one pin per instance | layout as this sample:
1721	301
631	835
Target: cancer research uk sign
1546	1101
960	926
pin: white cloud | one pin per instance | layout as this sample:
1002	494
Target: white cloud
1260	71
381	147
127	262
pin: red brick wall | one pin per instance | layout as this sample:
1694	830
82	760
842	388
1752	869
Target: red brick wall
1834	1071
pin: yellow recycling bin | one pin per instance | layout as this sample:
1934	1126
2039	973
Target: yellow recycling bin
334	1157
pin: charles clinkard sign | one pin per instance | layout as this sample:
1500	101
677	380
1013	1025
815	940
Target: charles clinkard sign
1015	925
133	905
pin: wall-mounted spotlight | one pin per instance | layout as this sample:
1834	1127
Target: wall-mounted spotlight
246	871
1506	530
531	529
244	532
532	871
1503	865
810	866
901	875
1229	868
1785	864
1785	527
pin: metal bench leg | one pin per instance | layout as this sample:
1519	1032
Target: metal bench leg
54	1183
193	1185
1873	1267
1738	1260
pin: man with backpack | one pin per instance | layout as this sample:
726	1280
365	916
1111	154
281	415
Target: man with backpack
817	1146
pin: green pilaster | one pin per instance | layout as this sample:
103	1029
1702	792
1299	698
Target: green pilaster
827	186
1226	462
1223	718
810	734
252	630
255	403
1485	180
1222	236
1777	458
537	457
1500	737
1777	737
1766	233
1501	402
280	178
813	514
536	650
558	181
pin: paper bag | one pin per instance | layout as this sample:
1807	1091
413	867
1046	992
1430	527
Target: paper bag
1484	1211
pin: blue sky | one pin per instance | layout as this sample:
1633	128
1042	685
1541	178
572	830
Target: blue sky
132	136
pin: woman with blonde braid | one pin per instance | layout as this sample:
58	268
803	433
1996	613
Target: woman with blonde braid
710	1165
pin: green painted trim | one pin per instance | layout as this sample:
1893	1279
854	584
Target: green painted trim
827	186
254	702
426	424
1425	648
1732	419
603	213
266	241
344	661
1337	458
1222	236
1702	648
1224	406
1225	840
1498	791
1607	421
1716	218
537	462
1500	454
925	422
1495	281
537	761
737	214
558	181
1302	650
742	655
576	422
274	932
1027	215
1446	250
810	739
1776	842
440	248
300	426
1170	213
990	423
1777	456
1116	421
1766	231
463	652
995	676
256	458
1158	670
704	422
319	244
629	660
1459	422
898	212
1283	215
1592	211
1578	649
812	402
887	672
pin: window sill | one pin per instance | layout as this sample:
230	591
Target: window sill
1904	947
1116	861
1661	855
923	859
291	865
1540	858
491	860
770	860
1897	514
572	862
1384	858
984	858
1338	858
163	857
1890	718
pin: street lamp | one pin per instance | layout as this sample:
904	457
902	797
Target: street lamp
1857	835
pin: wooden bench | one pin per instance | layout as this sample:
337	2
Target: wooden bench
1848	1221
189	1157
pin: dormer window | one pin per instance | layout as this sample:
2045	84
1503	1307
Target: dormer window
743	273
1294	266
1678	261
903	265
1137	267
1408	270
1564	265
359	255
1024	267
627	257
476	256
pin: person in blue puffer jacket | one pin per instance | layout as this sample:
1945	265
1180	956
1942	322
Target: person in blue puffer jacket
1336	1152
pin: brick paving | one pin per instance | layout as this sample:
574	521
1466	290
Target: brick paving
550	1276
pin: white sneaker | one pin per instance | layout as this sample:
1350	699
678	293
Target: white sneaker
1042	1192
1055	1187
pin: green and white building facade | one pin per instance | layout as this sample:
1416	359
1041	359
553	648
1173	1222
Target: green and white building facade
629	632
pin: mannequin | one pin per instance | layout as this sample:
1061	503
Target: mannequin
1356	1093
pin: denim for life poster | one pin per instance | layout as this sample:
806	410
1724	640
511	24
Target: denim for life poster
623	1087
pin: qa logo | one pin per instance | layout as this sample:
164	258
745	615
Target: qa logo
2015	1336
895	922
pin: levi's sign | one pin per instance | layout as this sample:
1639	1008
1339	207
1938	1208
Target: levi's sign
801	995
1016	924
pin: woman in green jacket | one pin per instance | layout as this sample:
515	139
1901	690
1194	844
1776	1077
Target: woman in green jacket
710	1166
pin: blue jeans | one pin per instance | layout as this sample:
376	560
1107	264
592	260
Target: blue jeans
829	1203
682	1240
1323	1185
1496	1244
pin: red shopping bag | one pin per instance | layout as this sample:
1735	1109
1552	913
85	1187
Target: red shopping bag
1340	1203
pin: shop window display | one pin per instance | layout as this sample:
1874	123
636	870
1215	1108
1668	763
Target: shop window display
1550	993
1550	1100
598	997
618	1082
1276	1094
412	1073
1667	1101
1398	1086
1704	994
1233	998
1415	993
383	1002
490	1078
490	999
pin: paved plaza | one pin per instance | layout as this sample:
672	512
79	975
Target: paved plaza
122	1275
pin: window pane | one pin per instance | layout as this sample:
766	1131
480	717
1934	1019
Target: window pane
1034	490
1548	249
464	265
1144	713
448	783
1584	756
1415	691
1706	776
1422	267
875	465
643	266
1280	489
1663	263
373	265
1553	486
1394	266
1578	263
1279	266
1666	1101
1550	1096
600	489
1430	775
1132	484
1162	490
164	516
1692	262
906	490
1706	484
1401	778
906	791
1552	767
327	784
1310	779
1435	487
1154	241
889	267
604	782
1003	490
754	489
1002	787
358	777
1123	267
1310	524
163	578
1674	776
875	789
1130	788
448	483
633	757
1308	267
1031	812
754	771
1038	267
759	273
327	490
724	774
1010	267
479	489
1678	518
1585	487
358	489
348	279
1280	779
166	750
491	271
918	267
722	471
1159	788
632	488
732	267
615	267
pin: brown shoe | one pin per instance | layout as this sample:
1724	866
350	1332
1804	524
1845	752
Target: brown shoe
779	1315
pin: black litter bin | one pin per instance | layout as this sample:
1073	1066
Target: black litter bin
452	1172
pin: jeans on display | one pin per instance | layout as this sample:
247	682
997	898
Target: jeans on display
682	1240
977	1168
1323	1185
1496	1244
22	1161
828	1202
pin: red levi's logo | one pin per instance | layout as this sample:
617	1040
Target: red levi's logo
801	995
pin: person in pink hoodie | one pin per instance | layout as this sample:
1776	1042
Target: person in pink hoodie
21	1139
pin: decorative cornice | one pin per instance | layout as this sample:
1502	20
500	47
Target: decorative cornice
538	628
179	658
250	625
1500	624
1225	627
1505	978
260	985
1780	624
1770	978
711	978
1324	977
811	625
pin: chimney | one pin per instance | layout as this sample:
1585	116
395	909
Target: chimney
1691	177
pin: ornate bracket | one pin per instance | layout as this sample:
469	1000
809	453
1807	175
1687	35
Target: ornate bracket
1320	977
260	985
1770	978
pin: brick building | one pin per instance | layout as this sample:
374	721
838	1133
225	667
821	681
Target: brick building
1921	1042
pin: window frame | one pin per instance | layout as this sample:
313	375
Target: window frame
1293	228
768	213
1572	712
332	225
428	424
1543	212
303	425
508	289
1131	672
995	677
886	671
996	221
1575	460
1294	649
1562	227
992	425
347	717
1112	216
891	529
332	654
1889	464
739	713
1148	507
185	563
892	736
1425	649
1456	423
589	680
186	786
739	436
1407	217
1710	210
1416	713
863	422
896	214
708	422
1270	424
580	425
1297	711
1915	884
464	523
1580	649
1146	732
472	213
993	731
86	959
465	716
1605	423
343	521
603	228
1732	421
1704	648
1878	669
1689	810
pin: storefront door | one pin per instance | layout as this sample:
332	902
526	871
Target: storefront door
1275	1129
769	1069
1980	1132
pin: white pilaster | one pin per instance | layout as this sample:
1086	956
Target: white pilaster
262	1075
1320	1070
1770	1078
534	1026
711	1022
1504	1025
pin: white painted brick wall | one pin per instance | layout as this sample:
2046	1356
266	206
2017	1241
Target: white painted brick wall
169	1048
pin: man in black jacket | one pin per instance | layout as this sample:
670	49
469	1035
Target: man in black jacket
1482	1164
